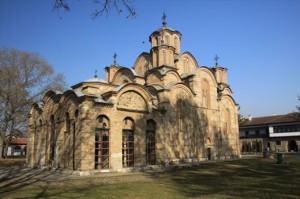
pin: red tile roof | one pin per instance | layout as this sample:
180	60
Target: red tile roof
18	141
258	121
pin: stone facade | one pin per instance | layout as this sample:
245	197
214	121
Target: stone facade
165	109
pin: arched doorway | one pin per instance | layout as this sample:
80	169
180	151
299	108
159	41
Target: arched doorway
150	143
292	146
208	149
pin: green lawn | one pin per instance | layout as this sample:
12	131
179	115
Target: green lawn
253	178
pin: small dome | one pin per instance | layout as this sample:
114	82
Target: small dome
95	79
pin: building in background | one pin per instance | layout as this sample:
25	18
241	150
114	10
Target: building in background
280	133
17	146
166	109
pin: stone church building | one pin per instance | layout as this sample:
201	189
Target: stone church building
165	109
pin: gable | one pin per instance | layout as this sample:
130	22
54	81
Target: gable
154	78
142	64
123	75
171	78
186	64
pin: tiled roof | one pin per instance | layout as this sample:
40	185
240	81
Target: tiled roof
18	141
277	119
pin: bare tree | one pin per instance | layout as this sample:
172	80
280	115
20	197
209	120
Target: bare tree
102	7
24	78
242	119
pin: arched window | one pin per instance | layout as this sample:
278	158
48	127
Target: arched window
102	143
66	155
52	139
40	124
34	143
227	122
180	110
128	142
42	139
150	142
154	59
74	143
167	40
205	94
176	44
68	123
186	63
164	57
76	113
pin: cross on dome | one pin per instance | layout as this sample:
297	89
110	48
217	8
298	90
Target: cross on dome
115	58
216	59
164	22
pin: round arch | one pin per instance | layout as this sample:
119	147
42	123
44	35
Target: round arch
154	77
230	99
134	87
191	56
182	86
187	64
103	121
209	73
140	67
123	75
51	95
171	73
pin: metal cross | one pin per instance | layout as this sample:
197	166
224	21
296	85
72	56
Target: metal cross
164	17
95	75
115	58
216	59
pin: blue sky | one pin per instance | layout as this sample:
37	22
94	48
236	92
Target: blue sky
258	41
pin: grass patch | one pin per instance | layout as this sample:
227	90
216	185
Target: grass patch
255	178
12	162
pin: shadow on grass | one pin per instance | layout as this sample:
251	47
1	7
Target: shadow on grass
260	178
255	178
17	177
24	183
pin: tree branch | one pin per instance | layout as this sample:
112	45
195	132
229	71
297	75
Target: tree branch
104	8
